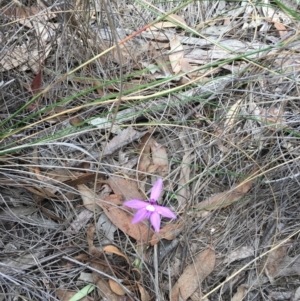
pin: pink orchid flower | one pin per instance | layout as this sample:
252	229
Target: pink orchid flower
149	209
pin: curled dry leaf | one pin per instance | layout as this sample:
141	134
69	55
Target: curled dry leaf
116	287
203	264
115	250
168	232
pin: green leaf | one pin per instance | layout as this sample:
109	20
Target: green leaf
83	292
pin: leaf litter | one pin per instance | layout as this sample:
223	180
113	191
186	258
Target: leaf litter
256	97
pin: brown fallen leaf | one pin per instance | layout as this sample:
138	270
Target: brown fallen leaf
116	288
104	290
168	232
88	197
36	85
192	276
161	25
240	253
125	187
167	24
122	219
274	260
115	250
239	295
281	29
144	294
232	115
103	287
145	160
159	158
226	198
186	67
176	54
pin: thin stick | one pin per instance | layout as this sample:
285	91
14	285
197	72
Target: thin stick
155	263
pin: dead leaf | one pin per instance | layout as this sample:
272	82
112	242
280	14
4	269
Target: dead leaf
161	25
123	138
281	29
83	179
144	150
36	85
125	187
240	253
178	19
226	198
186	67
116	287
274	259
274	15
80	221
296	295
176	54
289	266
122	220
90	233
192	276
167	24
197	295
239	295
23	57
232	114
159	158
115	250
104	289
106	228
144	294
88	197
168	232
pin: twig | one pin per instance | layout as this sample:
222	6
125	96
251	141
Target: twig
155	263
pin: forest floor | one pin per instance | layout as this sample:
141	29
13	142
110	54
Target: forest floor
99	100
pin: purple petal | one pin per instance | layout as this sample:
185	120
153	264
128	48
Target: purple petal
156	190
155	221
136	204
165	211
140	215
